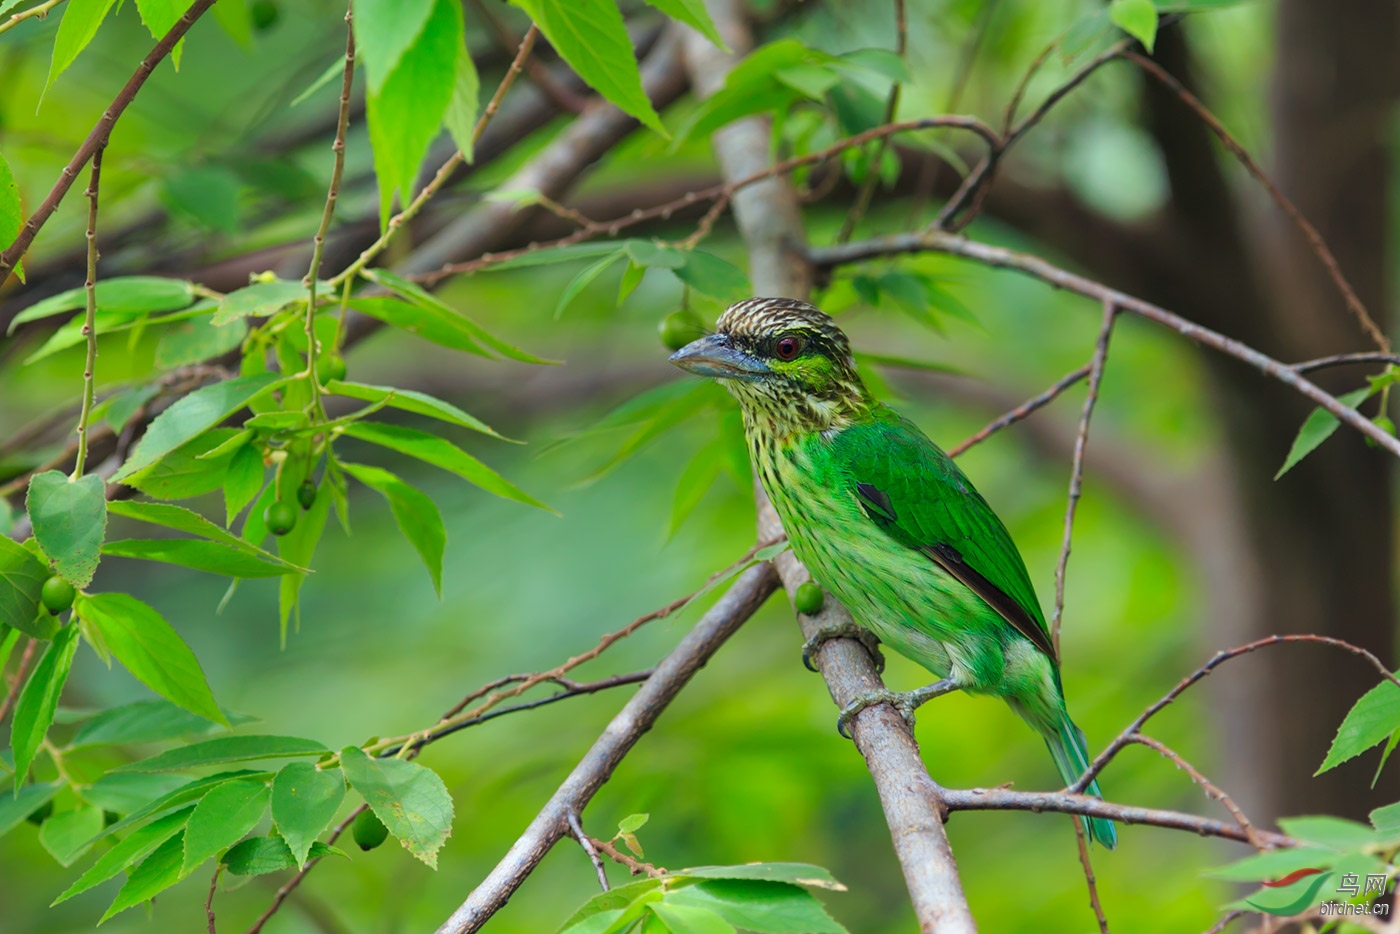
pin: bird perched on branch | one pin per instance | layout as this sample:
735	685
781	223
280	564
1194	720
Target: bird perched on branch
885	521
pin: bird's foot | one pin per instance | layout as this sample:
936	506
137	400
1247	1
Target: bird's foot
906	703
846	630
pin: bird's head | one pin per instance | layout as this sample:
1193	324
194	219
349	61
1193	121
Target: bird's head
786	362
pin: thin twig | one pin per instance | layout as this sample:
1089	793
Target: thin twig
209	902
1089	879
589	847
635	866
1023	410
943	242
444	171
872	175
1319	245
1344	359
24	662
1229	918
39	10
1076	474
318	243
97	138
1212	790
90	319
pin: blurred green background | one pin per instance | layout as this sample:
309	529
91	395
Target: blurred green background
746	765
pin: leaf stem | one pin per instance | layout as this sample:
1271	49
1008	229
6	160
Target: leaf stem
41	11
90	321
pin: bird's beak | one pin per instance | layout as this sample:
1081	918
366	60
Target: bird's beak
713	355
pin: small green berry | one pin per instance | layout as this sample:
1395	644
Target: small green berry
809	599
306	494
264	14
330	366
369	830
1385	425
680	328
109	818
57	594
40	814
279	517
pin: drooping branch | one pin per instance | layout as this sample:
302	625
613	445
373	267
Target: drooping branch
97	138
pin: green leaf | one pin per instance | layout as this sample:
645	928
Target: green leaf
196	340
1318	428
80	21
1371	720
259	299
180	796
151	650
445	328
794	873
259	856
234	17
591	36
195	414
1386	820
39	699
411	800
415	512
22	576
204	195
1138	18
304	802
1334	833
602	910
631	278
124	406
137	845
760	907
140	722
124	295
682	918
14	808
299	547
460	118
129	792
581	281
211	557
159	16
191	469
1273	864
221	819
66	834
11	212
384	31
632	823
440	453
709	275
445	316
69	518
406	109
694	398
157	872
226	749
408	400
185	520
245	478
694	15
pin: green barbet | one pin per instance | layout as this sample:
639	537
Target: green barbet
885	521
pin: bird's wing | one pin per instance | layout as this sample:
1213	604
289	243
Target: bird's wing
915	493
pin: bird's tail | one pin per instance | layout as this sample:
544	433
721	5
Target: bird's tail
1071	754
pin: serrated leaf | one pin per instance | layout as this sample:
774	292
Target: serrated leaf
682	917
159	16
601	912
123	295
156	873
183	794
1273	864
22	577
1318	427
66	834
1334	833
211	557
81	18
190	470
69	518
415	512
186	520
411	800
694	15
223	749
632	823
195	341
408	400
141	722
440	453
1386	820
150	649
759	906
11	213
582	280
1370	721
123	406
258	300
304	802
1138	18
195	414
135	846
710	275
794	873
444	315
591	36
37	702
259	856
406	109
384	31
221	819
460	118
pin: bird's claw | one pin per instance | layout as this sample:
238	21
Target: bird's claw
846	630
906	703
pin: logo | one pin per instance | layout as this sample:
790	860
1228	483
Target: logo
1291	895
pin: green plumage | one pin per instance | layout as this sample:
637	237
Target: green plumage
885	520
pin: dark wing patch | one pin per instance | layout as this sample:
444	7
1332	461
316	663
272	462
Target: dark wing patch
875	502
948	558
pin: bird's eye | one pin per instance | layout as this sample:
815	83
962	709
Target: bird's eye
787	348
